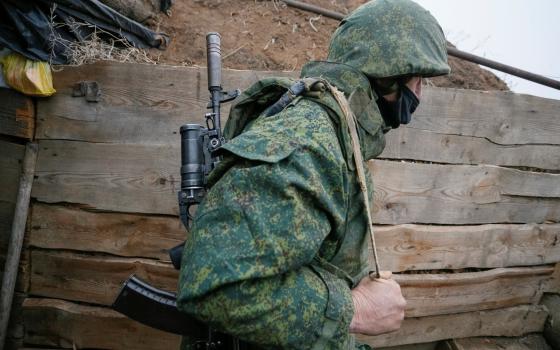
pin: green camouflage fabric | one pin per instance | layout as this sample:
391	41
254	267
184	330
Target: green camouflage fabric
388	38
281	237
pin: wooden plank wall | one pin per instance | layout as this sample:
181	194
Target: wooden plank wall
17	126
472	227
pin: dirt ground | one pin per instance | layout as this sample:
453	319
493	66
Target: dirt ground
268	35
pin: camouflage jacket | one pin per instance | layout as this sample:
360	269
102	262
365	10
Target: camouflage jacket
281	237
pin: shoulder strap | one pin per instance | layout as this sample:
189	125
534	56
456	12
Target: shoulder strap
359	161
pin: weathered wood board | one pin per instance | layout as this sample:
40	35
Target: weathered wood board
129	235
11	157
58	323
51	322
432	146
439	294
401	247
97	280
422	247
131	111
145	179
528	342
455	126
17	114
510	322
462	194
92	279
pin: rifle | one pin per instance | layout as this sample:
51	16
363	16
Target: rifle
200	148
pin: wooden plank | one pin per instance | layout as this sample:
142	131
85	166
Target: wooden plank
462	194
552	327
17	114
455	126
11	158
97	280
58	323
130	235
510	322
401	247
440	294
528	342
427	145
147	113
145	178
12	261
124	178
501	117
420	247
93	279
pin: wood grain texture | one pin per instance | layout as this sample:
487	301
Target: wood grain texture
462	194
17	114
440	294
455	126
510	322
58	323
501	117
93	279
130	235
97	280
528	342
428	145
401	247
147	113
420	247
145	179
123	178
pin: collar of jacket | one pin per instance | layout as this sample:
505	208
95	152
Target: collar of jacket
362	100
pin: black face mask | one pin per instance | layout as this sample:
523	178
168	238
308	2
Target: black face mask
400	111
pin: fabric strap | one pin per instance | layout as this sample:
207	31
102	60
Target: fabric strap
359	161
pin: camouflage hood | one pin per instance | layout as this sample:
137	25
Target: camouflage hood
387	38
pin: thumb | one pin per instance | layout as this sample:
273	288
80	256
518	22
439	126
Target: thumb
385	275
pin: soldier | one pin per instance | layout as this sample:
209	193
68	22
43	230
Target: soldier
278	252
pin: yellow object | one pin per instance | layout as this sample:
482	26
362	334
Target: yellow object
27	76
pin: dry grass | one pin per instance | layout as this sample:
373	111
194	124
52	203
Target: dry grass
100	45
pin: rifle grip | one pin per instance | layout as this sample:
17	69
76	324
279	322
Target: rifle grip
176	253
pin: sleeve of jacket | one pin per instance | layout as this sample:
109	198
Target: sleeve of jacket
247	265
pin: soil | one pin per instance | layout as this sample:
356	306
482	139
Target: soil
268	35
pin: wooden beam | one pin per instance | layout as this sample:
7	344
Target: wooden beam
145	179
401	247
432	146
97	280
462	194
130	235
528	342
439	294
17	114
58	323
455	126
11	266
419	247
552	327
51	322
147	114
93	279
511	322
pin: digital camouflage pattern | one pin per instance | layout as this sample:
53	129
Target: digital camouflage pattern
281	237
387	38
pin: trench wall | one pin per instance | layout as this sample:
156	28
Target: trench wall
467	207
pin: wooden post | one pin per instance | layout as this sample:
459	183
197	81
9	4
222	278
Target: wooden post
552	326
16	241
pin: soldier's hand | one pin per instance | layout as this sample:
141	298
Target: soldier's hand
378	306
